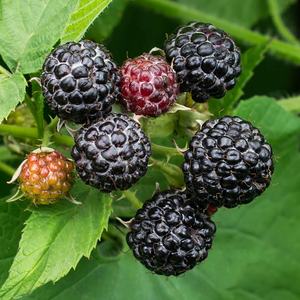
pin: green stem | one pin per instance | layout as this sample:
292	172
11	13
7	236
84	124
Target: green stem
186	14
49	132
291	104
132	198
4	71
33	111
282	29
7	169
63	140
32	134
18	131
168	151
172	172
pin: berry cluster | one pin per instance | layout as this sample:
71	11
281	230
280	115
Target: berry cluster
228	162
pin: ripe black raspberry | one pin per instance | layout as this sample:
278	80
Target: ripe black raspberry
80	81
46	177
228	162
111	154
148	85
205	58
170	234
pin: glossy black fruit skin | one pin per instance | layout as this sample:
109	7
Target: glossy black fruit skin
170	234
205	58
111	154
80	81
228	162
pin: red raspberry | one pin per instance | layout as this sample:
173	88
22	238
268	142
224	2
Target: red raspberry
148	85
46	177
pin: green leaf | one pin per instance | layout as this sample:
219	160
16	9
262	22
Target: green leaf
55	238
291	104
29	29
86	12
12	91
250	59
12	218
104	24
274	121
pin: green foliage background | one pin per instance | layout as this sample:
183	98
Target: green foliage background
256	253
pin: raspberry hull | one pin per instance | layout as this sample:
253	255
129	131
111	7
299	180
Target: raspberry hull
46	177
148	85
228	162
80	81
205	58
111	154
170	234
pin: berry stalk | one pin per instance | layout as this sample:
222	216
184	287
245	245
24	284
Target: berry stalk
172	172
132	198
168	151
62	140
34	113
49	132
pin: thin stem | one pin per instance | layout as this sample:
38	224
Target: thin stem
168	151
32	134
4	71
172	172
63	140
291	104
18	131
185	14
49	132
7	169
277	20
132	198
33	111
